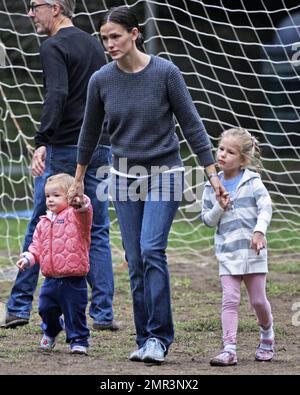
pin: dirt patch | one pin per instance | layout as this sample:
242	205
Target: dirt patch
196	306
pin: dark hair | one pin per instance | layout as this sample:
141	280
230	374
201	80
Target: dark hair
125	17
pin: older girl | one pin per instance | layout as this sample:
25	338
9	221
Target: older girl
241	216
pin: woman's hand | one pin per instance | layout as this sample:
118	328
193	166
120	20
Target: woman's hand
214	180
75	194
224	200
217	186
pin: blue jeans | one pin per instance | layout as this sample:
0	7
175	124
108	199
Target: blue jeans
145	221
63	159
67	296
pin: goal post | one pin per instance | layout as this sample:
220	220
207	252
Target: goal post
241	63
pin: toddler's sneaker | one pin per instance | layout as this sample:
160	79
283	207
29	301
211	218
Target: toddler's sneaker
77	349
265	350
154	351
47	343
225	358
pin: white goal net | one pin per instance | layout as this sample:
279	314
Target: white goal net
241	63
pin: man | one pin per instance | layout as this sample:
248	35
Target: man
69	57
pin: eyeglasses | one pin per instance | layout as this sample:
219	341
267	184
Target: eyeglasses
32	7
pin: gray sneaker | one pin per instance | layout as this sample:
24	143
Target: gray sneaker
154	351
110	326
12	321
137	355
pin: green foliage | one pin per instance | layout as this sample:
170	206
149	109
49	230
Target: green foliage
289	267
285	289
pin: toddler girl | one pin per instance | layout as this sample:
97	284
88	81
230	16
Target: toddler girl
61	244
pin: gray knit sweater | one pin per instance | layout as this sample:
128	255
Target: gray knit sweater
139	111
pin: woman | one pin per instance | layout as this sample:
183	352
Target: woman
138	95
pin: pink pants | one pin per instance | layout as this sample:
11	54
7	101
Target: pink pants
256	288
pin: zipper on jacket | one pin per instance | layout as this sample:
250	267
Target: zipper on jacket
51	239
245	252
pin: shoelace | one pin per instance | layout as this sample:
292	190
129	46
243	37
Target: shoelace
154	343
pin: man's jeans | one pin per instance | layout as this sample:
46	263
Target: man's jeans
145	218
62	159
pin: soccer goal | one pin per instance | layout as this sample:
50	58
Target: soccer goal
241	62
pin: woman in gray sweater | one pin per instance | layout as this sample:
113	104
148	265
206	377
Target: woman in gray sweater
138	95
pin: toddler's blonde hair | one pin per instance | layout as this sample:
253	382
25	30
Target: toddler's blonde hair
64	180
249	147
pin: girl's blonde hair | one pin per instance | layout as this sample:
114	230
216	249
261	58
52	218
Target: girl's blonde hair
64	180
249	147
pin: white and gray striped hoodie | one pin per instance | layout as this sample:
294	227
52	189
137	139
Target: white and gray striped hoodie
250	211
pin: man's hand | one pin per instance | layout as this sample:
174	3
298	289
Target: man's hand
38	161
258	242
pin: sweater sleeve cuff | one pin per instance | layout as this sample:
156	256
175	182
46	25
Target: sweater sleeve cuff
206	158
85	206
212	217
216	211
29	256
39	141
261	227
84	156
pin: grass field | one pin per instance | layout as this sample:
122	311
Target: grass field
196	301
184	237
196	304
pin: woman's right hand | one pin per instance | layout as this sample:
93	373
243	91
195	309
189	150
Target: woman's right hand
75	194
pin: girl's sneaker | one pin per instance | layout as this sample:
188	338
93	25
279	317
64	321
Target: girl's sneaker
47	343
265	350
225	358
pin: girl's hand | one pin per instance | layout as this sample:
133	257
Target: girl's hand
258	242
224	200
